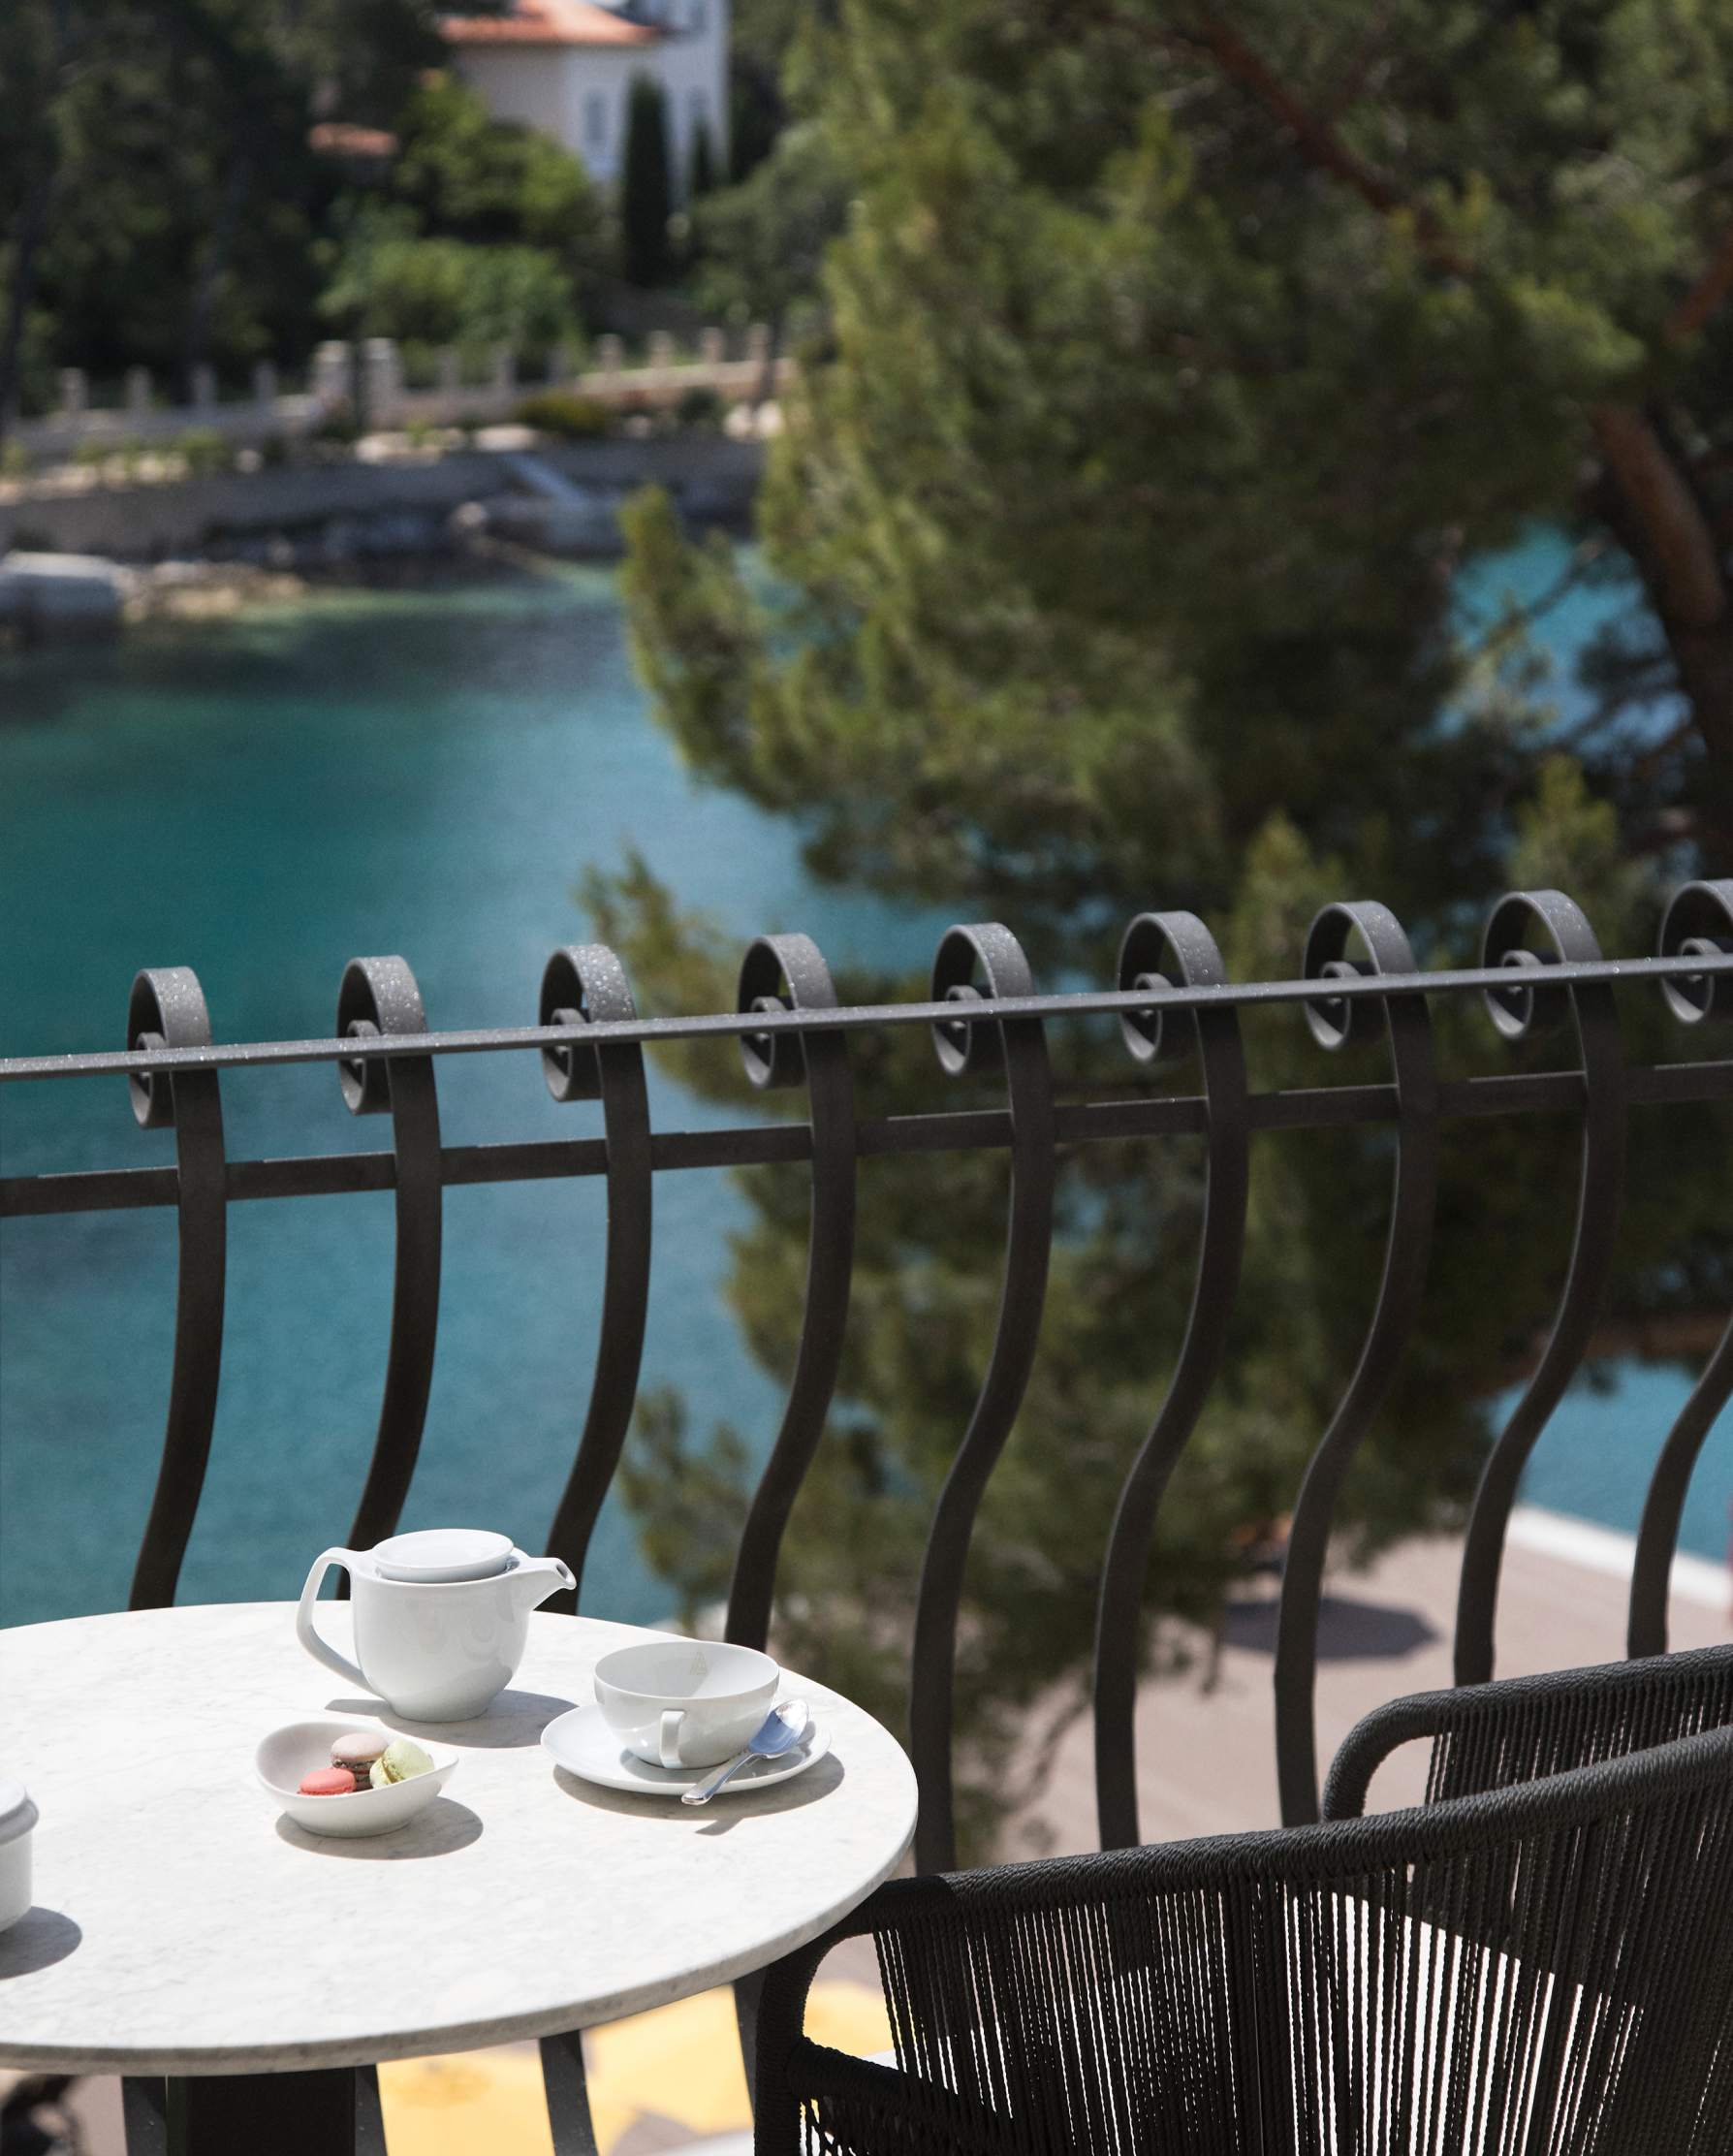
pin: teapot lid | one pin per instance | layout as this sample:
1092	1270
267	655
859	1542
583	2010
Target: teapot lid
443	1553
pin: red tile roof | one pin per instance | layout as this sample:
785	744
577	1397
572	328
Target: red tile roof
548	22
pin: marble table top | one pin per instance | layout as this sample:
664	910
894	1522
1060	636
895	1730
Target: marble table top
181	1925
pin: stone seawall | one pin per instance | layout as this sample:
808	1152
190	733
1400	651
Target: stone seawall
713	479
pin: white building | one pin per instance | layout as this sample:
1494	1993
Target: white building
566	67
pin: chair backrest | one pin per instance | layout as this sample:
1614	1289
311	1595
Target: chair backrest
1494	1736
1547	1969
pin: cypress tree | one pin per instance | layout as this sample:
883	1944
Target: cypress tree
645	198
701	177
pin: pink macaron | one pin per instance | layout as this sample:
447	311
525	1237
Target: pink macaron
328	1780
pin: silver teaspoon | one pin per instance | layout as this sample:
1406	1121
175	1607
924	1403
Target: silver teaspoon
780	1730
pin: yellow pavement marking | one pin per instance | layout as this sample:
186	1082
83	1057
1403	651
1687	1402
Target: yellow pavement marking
681	2063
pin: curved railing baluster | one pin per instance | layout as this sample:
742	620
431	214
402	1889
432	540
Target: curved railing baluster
821	1060
1524	1009
1698	921
166	1011
585	982
1407	1247
965	1045
379	996
1160	951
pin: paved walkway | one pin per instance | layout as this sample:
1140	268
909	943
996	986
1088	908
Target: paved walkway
669	2080
1206	1759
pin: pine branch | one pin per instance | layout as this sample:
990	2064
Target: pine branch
1680	554
1678	547
1319	142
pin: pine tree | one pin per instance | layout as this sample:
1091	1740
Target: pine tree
1176	369
646	195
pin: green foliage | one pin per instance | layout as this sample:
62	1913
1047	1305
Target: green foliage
184	215
391	282
205	452
564	412
759	245
469	177
1108	564
172	136
699	408
764	35
646	198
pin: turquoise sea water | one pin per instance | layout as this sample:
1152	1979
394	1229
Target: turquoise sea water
423	775
426	775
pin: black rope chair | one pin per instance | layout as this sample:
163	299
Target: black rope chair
1544	1968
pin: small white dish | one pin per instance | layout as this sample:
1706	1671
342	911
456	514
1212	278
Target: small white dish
288	1755
17	1818
582	1743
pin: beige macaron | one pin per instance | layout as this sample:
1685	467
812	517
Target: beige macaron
357	1751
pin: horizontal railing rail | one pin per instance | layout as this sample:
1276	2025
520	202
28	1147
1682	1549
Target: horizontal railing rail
1540	974
848	1018
764	1144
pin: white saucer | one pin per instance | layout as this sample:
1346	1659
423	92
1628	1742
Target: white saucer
583	1744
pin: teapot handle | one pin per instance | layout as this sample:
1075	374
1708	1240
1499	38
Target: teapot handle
319	1649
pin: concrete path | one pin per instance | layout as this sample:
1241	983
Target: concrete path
1206	1759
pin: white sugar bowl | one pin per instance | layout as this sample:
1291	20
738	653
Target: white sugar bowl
17	1818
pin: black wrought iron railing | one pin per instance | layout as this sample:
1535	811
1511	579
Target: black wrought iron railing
1540	973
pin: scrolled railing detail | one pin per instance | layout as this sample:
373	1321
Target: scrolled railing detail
1697	923
167	1009
1333	1022
1160	951
379	996
586	984
788	972
1530	1006
973	1044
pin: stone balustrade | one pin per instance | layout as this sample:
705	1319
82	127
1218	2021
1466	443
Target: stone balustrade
367	384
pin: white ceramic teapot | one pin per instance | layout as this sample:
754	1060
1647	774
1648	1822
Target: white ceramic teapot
440	1618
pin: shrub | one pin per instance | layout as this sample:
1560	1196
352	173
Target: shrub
565	413
432	292
700	408
204	450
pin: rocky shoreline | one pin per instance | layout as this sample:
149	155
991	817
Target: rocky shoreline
85	564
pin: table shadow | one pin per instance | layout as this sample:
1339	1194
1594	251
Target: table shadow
514	1717
443	1827
38	1939
723	1813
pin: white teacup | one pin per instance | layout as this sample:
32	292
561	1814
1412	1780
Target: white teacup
685	1702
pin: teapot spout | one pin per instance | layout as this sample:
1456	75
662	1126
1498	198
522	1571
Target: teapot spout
534	1578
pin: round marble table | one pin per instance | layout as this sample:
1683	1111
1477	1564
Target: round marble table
182	1926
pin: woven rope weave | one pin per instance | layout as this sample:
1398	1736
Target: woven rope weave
1537	1970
